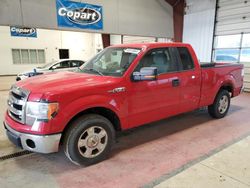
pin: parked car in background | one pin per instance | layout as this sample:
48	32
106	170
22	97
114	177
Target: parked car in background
60	65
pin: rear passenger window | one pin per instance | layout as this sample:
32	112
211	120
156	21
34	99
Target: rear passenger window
186	59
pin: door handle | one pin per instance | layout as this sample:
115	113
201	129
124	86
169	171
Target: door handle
175	82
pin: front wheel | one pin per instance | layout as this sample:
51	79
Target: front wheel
89	139
221	105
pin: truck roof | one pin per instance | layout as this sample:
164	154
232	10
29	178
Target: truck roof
152	45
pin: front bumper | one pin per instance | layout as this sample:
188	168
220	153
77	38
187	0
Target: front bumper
34	143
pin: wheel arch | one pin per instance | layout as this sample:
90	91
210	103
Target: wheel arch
103	111
228	84
228	87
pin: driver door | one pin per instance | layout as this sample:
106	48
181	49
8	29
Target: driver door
154	100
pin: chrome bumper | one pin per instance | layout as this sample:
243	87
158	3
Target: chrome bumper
35	143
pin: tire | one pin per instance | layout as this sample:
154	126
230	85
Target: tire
221	105
89	139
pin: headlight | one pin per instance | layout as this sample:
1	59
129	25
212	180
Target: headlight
38	111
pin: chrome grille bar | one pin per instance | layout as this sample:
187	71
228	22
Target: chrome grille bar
14	100
16	103
15	111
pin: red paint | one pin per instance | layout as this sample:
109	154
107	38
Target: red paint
106	40
142	102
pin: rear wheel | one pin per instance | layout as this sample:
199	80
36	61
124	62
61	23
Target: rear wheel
221	105
89	139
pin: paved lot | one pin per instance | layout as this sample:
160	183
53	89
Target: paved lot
146	156
228	168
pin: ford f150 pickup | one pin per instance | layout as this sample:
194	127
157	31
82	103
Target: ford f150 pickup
122	87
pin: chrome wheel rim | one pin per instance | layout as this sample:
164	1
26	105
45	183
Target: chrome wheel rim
223	104
92	142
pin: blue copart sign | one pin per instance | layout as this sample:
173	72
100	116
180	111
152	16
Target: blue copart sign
23	31
79	15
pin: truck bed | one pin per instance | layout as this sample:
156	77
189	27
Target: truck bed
216	74
213	64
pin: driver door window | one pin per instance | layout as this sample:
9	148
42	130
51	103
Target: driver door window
161	59
61	65
64	64
56	66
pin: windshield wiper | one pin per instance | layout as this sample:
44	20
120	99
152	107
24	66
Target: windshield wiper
94	70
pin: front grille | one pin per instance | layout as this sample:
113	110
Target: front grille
16	103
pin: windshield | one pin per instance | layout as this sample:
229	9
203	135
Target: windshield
46	66
110	61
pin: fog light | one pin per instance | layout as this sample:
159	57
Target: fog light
30	143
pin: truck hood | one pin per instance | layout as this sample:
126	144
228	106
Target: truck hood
63	81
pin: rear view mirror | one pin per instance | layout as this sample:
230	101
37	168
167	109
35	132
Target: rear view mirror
146	73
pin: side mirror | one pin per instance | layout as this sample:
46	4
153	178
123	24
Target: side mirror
146	73
52	68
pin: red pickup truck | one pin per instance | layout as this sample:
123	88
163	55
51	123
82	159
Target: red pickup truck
122	87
